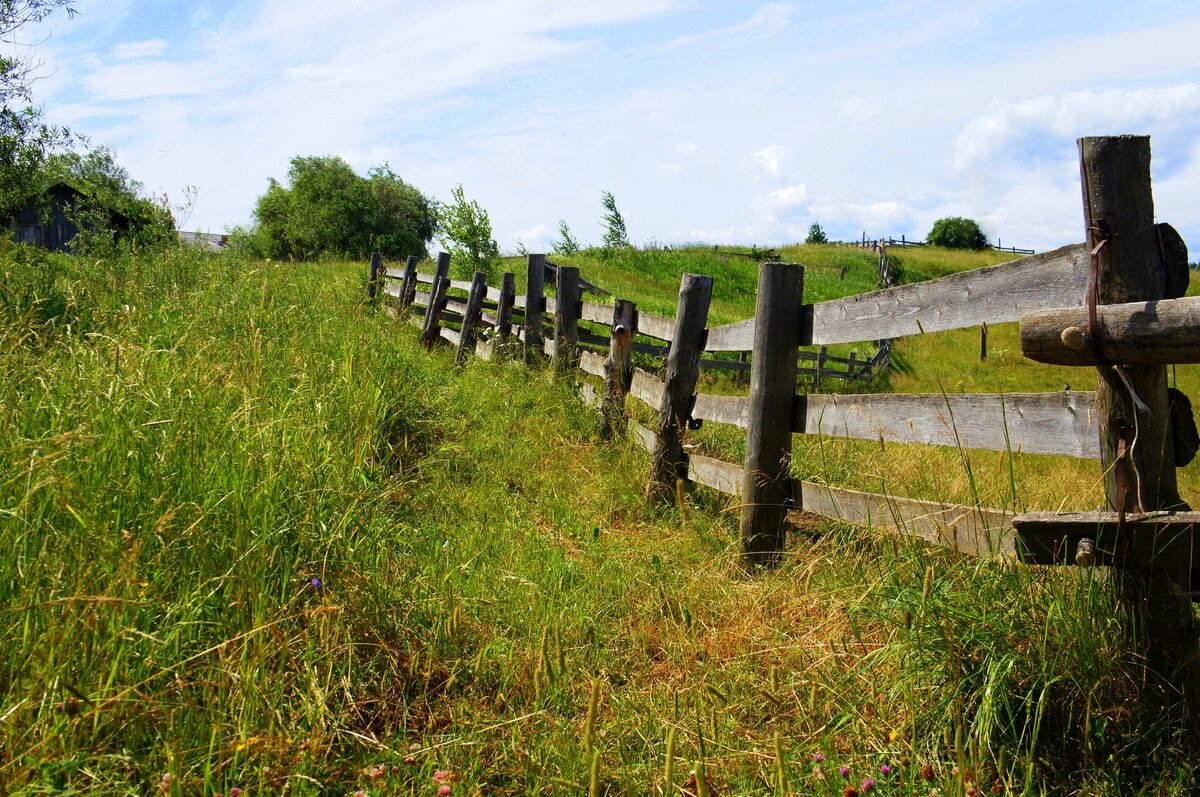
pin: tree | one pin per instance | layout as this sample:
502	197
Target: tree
108	189
955	232
816	235
329	209
466	231
25	139
566	243
615	236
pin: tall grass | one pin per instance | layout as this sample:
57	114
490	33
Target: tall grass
254	537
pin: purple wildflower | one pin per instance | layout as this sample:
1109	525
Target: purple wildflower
867	785
819	757
316	583
885	770
844	770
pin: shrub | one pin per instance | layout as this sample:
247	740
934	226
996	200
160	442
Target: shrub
566	244
816	234
955	232
466	231
615	235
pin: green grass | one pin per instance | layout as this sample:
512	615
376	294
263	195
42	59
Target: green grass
189	441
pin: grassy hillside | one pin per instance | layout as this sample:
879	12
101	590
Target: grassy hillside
254	538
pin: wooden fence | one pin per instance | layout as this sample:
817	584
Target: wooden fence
877	245
1132	424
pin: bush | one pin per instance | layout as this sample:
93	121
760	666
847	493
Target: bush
955	232
816	234
466	231
328	209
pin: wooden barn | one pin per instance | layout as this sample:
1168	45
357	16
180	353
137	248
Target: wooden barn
48	220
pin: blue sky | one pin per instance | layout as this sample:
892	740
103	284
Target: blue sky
709	121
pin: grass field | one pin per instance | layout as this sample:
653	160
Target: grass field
255	538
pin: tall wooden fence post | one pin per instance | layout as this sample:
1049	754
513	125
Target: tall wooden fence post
1135	444
767	492
376	275
438	296
466	336
408	288
535	307
668	461
442	271
566	319
504	308
618	368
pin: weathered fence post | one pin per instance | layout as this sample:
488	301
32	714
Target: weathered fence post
668	461
1136	450
566	319
618	368
535	307
442	270
767	492
466	337
983	341
438	295
822	353
408	288
376	275
504	308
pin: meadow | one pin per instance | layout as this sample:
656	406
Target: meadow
257	541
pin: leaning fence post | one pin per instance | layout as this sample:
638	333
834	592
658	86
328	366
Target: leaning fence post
767	492
566	319
504	308
376	275
535	307
618	369
438	295
668	461
466	336
442	270
408	288
1136	449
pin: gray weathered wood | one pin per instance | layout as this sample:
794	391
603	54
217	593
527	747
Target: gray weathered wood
1163	540
437	303
995	294
766	484
375	275
408	287
618	367
426	279
647	388
461	285
596	313
440	272
504	307
466	343
667	462
1136	451
421	298
983	341
535	303
453	336
1158	332
722	476
1034	423
592	363
566	320
654	326
643	435
970	530
733	410
589	394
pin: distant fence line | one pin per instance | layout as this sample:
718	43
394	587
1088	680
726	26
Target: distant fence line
876	244
1064	300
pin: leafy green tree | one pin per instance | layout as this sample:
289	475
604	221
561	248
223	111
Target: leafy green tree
955	232
816	234
466	231
25	139
328	209
566	243
108	188
615	235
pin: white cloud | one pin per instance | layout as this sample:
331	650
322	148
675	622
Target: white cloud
1072	115
856	110
789	197
769	160
767	21
150	48
669	169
